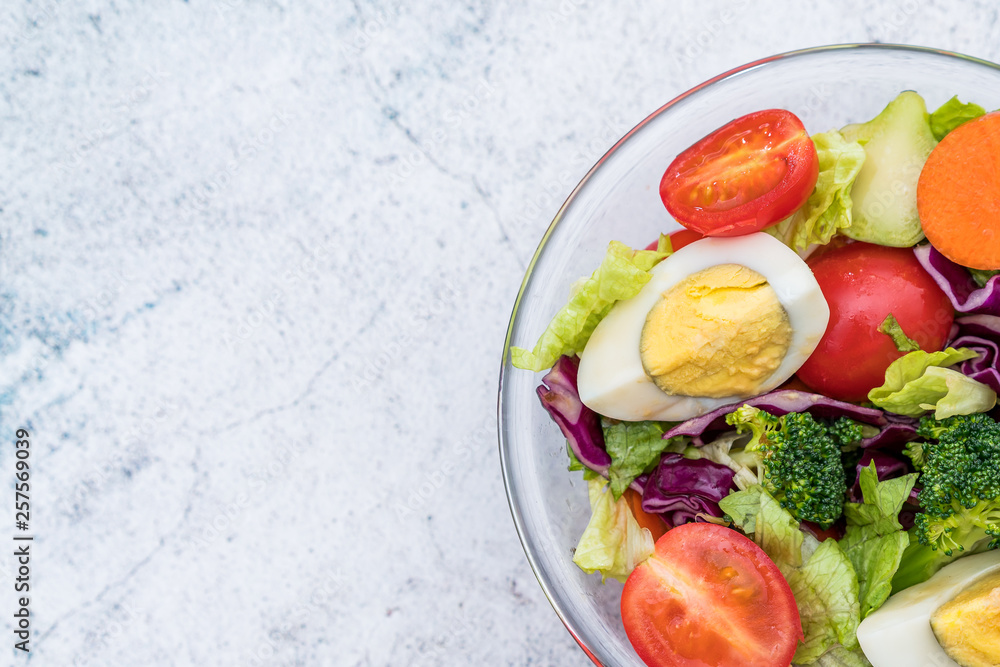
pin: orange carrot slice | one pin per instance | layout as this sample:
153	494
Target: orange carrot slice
653	522
958	194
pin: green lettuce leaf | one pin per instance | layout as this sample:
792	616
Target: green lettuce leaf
620	276
743	507
875	540
772	527
920	382
777	532
891	328
828	208
613	542
951	114
826	591
839	656
881	502
635	448
955	393
825	586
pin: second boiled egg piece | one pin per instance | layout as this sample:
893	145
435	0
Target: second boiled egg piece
722	319
951	615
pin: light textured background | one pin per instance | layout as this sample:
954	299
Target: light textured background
257	260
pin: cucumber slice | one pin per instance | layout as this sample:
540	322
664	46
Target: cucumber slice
897	143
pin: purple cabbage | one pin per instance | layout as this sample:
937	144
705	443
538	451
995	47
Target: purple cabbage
778	402
899	430
957	283
982	334
639	484
679	488
581	425
907	516
910	509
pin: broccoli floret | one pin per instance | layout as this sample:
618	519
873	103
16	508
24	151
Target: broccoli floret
959	494
915	450
799	460
845	432
960	483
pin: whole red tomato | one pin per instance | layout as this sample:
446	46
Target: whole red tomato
863	283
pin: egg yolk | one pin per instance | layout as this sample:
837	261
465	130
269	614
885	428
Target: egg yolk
720	332
968	626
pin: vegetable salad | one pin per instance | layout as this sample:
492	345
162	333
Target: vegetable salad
764	477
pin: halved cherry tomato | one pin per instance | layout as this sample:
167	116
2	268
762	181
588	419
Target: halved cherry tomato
863	283
656	525
708	596
745	176
678	239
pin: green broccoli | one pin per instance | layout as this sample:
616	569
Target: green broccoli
915	450
845	432
959	495
798	460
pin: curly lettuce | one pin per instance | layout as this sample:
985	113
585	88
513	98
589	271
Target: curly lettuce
821	575
951	114
828	209
635	448
613	543
842	657
620	276
922	381
875	540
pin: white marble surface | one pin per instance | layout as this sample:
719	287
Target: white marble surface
257	260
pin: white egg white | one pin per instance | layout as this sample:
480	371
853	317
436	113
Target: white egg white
899	633
611	379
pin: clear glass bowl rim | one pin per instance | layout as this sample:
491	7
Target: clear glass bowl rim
512	503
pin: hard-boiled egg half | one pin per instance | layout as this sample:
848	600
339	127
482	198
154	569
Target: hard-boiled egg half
721	320
949	620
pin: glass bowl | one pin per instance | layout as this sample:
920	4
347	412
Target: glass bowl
619	199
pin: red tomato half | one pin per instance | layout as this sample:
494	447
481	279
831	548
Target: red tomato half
745	176
678	239
863	283
709	596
